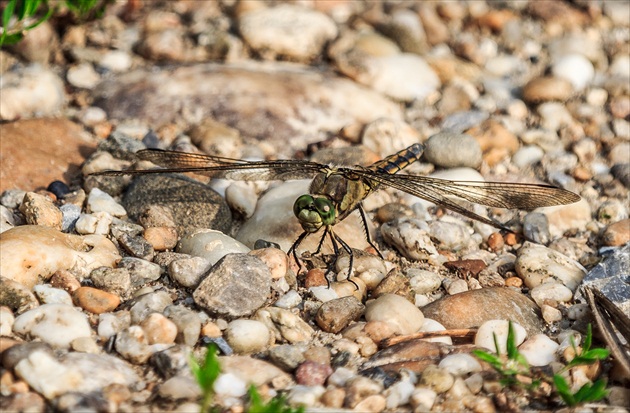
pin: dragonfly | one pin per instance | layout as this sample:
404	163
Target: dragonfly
335	192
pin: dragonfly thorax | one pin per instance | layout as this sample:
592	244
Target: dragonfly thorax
314	212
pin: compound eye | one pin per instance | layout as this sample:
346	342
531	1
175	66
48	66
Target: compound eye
303	202
326	210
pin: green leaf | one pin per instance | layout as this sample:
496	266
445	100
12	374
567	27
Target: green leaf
489	358
563	390
10	38
512	350
588	339
7	13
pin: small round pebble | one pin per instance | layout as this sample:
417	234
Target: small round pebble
403	316
247	336
539	350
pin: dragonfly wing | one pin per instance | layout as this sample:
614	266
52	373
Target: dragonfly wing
220	167
493	194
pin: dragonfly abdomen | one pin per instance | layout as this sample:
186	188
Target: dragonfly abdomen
399	160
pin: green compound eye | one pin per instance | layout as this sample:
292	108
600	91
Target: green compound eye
313	213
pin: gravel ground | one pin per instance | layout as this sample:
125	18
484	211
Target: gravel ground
109	283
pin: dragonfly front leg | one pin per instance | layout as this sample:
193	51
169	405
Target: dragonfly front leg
336	238
367	231
294	247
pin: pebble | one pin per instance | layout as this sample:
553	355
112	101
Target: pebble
289	300
241	198
449	235
499	328
539	350
275	259
236	286
39	210
149	303
99	201
359	388
551	292
132	344
55	324
423	398
210	245
410	237
287	30
250	370
188	272
179	388
466	310
140	271
432	325
550	314
436	378
335	315
46	294
565	217
617	234
286	356
453	150
311	373
192	204
97	223
423	281
284	324
115	281
527	155
47	376
83	76
70	214
187	321
6	321
461	364
536	228
16	296
85	345
118	61
545	89
386	136
53	250
400	314
161	238
159	329
575	68
18	101
110	324
537	264
247	336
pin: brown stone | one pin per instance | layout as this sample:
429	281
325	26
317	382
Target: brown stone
466	268
161	238
618	233
335	315
65	280
543	89
472	308
96	301
35	152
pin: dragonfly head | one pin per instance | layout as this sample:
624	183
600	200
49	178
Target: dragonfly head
314	212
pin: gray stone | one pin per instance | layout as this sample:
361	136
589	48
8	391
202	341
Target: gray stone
236	286
536	228
187	321
193	204
335	315
452	150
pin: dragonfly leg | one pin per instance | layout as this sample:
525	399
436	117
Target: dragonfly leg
294	247
367	232
335	237
321	241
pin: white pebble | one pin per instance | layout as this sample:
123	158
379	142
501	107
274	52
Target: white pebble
403	316
247	336
486	332
423	398
6	321
432	325
289	300
575	68
551	292
99	201
539	350
460	364
46	375
116	61
55	324
49	295
229	385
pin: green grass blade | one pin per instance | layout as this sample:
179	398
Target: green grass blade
563	390
7	13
